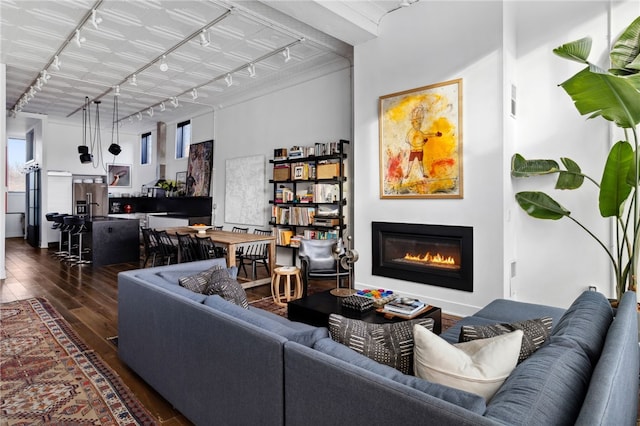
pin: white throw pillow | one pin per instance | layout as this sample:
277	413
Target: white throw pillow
479	366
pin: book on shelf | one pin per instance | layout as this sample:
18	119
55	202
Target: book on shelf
404	307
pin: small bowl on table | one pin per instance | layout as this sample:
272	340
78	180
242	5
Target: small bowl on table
202	229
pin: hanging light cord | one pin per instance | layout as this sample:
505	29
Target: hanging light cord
114	124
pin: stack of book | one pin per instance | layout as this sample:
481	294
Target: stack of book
404	306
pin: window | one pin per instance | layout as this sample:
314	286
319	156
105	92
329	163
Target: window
16	157
183	139
145	148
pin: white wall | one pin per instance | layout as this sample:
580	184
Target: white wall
315	111
557	260
436	51
502	43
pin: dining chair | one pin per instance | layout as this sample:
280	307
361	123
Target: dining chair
240	230
167	249
151	249
256	253
187	247
206	249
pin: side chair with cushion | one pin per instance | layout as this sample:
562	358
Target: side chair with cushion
255	253
317	262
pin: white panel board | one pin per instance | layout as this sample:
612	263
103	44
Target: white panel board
244	198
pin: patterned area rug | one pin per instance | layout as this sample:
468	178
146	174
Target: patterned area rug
49	376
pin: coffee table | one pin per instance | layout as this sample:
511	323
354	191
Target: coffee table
316	308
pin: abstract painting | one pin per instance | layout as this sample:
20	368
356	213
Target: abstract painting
199	169
421	142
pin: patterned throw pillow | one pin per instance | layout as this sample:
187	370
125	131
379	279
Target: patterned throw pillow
198	282
390	344
226	287
536	332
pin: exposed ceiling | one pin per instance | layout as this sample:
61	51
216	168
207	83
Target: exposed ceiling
100	46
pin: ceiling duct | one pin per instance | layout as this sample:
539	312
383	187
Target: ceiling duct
161	156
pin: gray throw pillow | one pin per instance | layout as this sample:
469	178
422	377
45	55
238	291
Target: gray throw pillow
226	287
536	332
198	282
390	344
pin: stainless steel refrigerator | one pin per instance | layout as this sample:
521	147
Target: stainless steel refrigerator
90	199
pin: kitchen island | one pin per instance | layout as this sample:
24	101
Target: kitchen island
112	240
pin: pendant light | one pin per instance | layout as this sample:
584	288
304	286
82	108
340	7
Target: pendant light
114	148
83	149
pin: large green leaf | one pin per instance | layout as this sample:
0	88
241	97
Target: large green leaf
540	205
577	50
612	97
520	167
572	178
625	53
614	188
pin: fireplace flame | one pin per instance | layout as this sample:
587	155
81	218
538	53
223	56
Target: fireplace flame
429	258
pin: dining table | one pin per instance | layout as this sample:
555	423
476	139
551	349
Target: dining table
231	241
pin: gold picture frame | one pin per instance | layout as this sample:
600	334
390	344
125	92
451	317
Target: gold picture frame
421	142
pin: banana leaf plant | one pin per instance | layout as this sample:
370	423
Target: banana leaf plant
614	95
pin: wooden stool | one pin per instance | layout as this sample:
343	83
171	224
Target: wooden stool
286	271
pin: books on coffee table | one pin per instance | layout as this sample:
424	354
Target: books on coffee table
404	306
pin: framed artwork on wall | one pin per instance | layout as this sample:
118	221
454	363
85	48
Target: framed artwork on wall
421	142
181	183
119	175
198	180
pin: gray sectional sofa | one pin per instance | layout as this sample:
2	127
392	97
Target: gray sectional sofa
221	364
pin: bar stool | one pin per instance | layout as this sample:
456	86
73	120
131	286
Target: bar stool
79	229
58	224
285	271
70	226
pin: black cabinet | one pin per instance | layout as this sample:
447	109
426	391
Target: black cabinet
308	198
113	240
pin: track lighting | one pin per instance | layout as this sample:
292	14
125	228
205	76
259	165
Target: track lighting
57	63
150	111
139	115
79	40
286	53
130	119
194	93
251	69
134	80
163	63
116	90
39	83
204	38
95	19
228	79
174	102
162	107
45	76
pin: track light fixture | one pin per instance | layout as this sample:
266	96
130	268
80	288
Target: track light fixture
251	69
204	38
57	63
150	111
79	39
139	116
44	74
134	80
39	83
95	19
174	102
286	53
163	64
162	107
116	90
194	93
228	79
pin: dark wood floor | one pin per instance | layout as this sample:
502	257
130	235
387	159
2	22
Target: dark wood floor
87	298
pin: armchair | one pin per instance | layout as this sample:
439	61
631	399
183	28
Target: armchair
317	262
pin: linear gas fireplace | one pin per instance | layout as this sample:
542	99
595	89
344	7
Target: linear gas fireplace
437	255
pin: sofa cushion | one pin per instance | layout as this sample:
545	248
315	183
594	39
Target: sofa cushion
586	321
226	287
458	397
199	281
172	286
303	335
390	344
536	332
479	366
175	276
547	388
